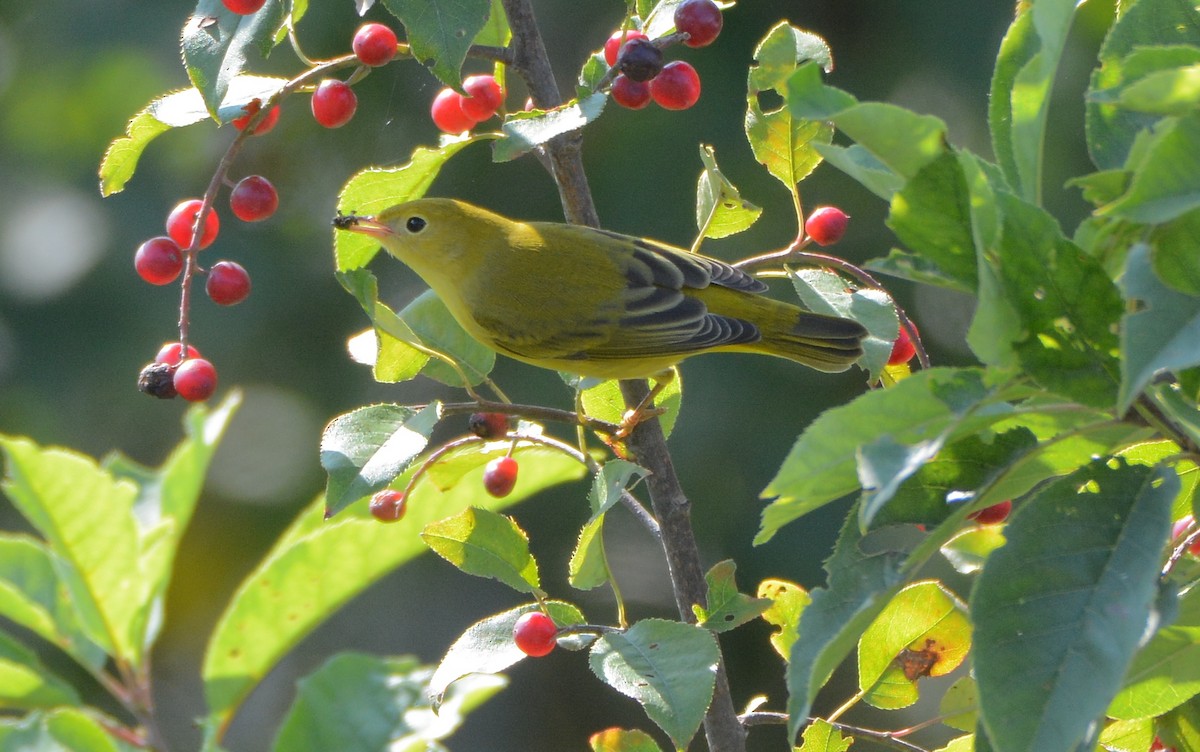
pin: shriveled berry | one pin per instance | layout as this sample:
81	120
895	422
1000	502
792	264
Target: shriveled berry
903	348
387	505
826	225
244	7
677	87
228	283
640	60
447	112
157	380
500	476
535	633
484	97
251	109
169	353
993	515
374	44
253	199
488	425
700	19
195	379
158	261
612	47
1182	528
629	93
334	103
181	224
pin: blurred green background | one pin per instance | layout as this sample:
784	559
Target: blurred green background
76	323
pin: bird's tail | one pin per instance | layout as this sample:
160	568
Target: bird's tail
826	343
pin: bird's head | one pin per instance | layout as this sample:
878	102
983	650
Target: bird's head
431	235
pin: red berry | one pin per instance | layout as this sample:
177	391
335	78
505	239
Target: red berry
903	348
629	93
158	261
534	633
1181	529
333	103
500	476
826	225
701	19
244	7
1159	746
169	353
251	108
447	112
387	505
374	44
677	87
484	97
993	515
181	224
640	60
228	283
253	199
195	379
612	47
488	425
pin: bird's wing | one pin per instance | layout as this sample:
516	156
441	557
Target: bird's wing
656	317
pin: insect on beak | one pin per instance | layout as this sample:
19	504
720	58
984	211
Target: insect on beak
362	225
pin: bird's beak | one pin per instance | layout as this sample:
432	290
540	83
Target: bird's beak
362	225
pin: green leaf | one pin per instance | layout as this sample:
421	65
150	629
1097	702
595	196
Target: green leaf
860	585
33	596
87	517
1021	91
788	601
781	51
487	646
317	566
174	110
1166	180
525	130
1141	26
959	707
1066	304
60	730
364	450
821	736
485	544
720	209
785	145
1173	253
25	683
860	164
1162	331
363	703
372	190
1060	609
441	31
1182	410
623	740
588	567
437	328
216	42
667	666
1127	736
824	291
968	550
727	608
932	215
1166	672
922	631
822	465
1175	91
496	32
1181	727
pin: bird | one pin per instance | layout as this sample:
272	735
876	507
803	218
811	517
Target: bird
596	303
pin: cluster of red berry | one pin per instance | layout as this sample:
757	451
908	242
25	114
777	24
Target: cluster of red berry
453	112
643	76
161	260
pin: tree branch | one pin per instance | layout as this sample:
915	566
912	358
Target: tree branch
721	725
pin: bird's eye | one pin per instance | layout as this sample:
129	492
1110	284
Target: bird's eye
415	224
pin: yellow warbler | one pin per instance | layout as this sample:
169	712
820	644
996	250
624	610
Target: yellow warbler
596	303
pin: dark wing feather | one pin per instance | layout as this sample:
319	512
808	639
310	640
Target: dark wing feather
657	318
